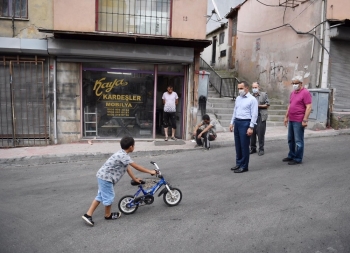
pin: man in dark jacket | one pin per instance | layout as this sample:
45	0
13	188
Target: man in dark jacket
260	127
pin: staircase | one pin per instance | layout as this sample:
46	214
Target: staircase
222	108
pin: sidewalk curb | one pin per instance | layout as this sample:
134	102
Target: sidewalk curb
93	156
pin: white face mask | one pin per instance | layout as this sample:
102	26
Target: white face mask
241	92
295	86
255	90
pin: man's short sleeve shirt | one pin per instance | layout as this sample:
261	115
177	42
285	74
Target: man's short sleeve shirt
212	130
115	167
298	102
170	99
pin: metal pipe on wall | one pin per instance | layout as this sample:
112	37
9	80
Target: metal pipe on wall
320	58
55	100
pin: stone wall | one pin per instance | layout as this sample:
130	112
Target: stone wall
68	102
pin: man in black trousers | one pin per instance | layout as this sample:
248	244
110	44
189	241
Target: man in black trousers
242	124
260	127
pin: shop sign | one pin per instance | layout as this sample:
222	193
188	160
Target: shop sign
117	105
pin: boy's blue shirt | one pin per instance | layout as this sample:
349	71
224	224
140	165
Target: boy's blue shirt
115	167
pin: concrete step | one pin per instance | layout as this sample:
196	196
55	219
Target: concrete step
274	123
277	107
220	105
278	118
276	112
221	100
224	116
219	110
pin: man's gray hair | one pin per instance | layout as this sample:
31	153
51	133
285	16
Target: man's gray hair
298	78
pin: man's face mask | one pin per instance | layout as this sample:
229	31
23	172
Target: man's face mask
255	90
295	86
241	92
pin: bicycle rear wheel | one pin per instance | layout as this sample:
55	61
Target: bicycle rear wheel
126	205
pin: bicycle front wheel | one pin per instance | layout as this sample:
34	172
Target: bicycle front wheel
172	198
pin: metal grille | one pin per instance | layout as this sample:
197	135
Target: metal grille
23	104
150	17
340	74
14	8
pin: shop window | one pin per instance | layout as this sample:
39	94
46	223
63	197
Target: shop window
14	8
118	100
134	16
221	37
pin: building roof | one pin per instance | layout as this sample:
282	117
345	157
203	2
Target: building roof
128	38
234	10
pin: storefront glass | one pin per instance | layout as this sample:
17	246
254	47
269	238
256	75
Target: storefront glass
118	100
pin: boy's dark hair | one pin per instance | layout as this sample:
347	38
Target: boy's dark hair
126	142
205	117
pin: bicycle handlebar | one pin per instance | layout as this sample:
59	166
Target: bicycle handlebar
159	174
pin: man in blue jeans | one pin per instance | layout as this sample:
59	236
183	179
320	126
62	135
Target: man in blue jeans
296	118
243	121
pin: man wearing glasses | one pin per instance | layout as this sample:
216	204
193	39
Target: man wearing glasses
296	118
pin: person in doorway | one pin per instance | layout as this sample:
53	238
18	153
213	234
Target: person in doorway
109	174
206	129
296	118
243	120
170	100
260	127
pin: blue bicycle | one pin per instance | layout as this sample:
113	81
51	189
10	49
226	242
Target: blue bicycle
171	196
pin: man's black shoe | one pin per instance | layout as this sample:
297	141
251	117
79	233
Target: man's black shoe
293	163
287	159
261	152
240	170
235	168
252	151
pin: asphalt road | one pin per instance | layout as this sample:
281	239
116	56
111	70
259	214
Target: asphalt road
272	208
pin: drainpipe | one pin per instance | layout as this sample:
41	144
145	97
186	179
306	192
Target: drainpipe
319	72
325	64
55	100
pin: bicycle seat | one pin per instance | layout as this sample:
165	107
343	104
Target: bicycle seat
135	183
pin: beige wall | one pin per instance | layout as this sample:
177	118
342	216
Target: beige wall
39	15
77	15
338	9
188	19
283	53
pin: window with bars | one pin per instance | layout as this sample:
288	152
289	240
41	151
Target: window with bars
134	16
14	8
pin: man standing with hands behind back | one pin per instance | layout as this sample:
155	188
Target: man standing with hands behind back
243	121
296	118
260	127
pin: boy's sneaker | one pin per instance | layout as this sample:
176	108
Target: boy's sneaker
206	149
113	216
88	219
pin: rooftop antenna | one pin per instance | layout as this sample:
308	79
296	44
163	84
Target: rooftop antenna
216	11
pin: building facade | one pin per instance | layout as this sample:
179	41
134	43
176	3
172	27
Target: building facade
106	64
277	40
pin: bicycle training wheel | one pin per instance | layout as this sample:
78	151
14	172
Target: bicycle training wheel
124	205
173	198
